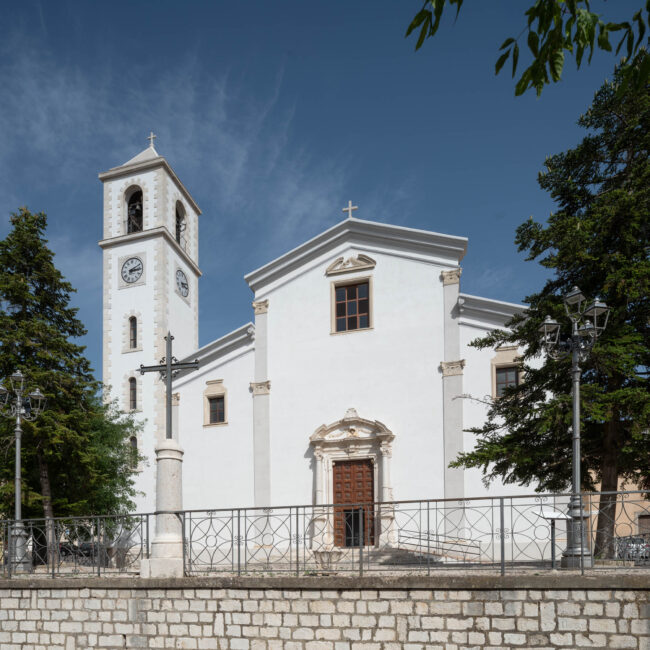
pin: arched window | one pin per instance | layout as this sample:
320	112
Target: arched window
134	211
133	332
133	394
180	222
133	448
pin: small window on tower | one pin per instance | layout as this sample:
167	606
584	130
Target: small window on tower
133	332
133	448
134	212
133	394
180	224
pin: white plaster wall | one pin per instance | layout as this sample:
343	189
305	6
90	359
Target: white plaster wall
477	382
183	312
218	460
389	373
124	300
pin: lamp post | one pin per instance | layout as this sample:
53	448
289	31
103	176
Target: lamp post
16	403
588	320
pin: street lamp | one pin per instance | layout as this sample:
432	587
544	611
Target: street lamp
15	403
588	322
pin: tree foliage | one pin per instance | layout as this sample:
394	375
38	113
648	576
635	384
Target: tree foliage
75	456
555	29
599	239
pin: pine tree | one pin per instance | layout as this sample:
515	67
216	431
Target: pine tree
598	240
75	456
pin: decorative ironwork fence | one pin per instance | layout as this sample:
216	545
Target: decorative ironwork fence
497	534
75	545
490	533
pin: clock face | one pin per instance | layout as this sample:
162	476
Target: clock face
182	283
132	270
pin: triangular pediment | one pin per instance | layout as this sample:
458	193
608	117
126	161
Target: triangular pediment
359	262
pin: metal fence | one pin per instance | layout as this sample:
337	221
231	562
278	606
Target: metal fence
491	533
75	545
497	534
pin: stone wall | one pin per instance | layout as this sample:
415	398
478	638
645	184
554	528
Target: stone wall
327	613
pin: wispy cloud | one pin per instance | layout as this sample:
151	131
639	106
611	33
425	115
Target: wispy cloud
235	149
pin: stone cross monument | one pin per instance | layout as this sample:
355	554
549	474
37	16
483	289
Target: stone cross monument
166	559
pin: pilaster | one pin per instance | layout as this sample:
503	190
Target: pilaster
452	385
261	390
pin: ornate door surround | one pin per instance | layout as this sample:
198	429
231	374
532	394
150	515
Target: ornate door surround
352	438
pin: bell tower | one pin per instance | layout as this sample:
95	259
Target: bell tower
150	285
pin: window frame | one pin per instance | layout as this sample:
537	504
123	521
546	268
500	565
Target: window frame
128	196
517	373
133	393
339	283
133	332
214	388
180	223
505	357
216	398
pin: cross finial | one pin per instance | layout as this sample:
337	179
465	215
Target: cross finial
151	137
350	208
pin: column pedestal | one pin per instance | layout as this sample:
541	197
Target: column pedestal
166	559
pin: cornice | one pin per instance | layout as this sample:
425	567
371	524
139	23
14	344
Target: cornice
129	170
484	309
160	231
239	338
360	233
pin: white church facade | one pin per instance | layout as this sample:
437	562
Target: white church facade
350	383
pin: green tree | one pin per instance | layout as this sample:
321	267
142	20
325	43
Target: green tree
554	29
75	456
599	240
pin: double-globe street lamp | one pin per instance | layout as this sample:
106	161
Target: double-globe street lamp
16	403
588	320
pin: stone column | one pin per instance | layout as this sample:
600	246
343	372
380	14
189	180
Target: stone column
386	489
387	532
166	559
261	389
318	460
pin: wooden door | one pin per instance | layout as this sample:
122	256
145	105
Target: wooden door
354	489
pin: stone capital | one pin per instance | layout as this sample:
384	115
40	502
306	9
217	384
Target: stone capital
386	449
451	368
260	306
451	277
260	387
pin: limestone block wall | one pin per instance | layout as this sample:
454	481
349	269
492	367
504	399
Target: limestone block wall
326	614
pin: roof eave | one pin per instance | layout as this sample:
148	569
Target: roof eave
449	246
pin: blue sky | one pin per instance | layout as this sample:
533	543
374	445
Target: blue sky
274	115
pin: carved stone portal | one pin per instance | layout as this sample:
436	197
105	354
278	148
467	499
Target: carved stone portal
353	437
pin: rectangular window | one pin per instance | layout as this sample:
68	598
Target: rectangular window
217	409
506	377
352	306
